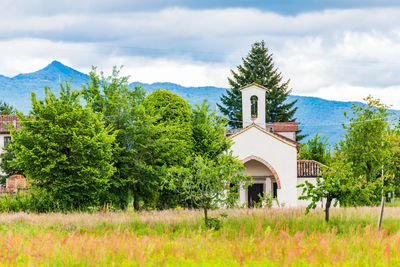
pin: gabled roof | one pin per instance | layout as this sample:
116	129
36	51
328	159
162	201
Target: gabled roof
253	84
279	137
309	168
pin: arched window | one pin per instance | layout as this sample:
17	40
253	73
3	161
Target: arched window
254	106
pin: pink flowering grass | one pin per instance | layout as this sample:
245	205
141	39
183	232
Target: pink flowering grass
258	237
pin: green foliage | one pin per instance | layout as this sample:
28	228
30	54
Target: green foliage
362	167
64	149
172	118
137	137
369	146
208	132
266	201
6	164
316	149
258	67
206	181
337	184
6	109
32	201
366	143
214	175
213	223
172	114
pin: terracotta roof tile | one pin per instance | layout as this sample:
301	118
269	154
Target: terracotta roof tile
308	168
284	126
8	119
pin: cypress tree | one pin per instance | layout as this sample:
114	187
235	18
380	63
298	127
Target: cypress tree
258	67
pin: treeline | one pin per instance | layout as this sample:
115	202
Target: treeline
109	145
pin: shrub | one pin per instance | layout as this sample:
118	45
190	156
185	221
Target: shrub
213	223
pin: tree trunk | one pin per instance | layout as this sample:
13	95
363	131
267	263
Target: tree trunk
205	216
135	203
327	207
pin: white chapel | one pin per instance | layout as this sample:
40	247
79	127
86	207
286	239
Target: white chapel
269	153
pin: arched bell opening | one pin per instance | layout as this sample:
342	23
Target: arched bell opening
254	106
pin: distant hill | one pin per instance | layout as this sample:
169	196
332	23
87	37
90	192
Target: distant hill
17	90
315	114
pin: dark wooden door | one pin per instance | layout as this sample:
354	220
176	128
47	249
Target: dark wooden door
254	193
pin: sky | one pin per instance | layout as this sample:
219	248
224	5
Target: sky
338	50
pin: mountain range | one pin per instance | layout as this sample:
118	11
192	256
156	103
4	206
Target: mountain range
314	114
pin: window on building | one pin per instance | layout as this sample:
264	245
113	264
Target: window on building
7	140
254	106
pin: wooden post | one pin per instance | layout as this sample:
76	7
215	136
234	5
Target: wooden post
381	213
382	202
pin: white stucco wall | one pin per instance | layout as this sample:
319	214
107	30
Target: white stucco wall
304	203
1	147
247	93
281	155
256	168
2	141
291	135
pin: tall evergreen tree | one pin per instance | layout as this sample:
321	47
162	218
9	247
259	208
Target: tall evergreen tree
258	67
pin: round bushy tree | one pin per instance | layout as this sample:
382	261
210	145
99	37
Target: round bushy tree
65	150
171	115
171	112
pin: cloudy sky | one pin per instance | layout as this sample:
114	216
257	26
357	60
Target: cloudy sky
342	50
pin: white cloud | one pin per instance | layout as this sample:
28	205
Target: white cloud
343	92
336	54
28	55
183	72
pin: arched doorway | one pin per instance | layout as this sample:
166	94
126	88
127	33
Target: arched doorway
266	180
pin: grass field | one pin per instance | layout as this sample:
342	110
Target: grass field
257	237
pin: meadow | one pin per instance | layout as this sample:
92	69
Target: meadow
248	237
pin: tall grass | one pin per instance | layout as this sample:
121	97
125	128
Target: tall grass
264	237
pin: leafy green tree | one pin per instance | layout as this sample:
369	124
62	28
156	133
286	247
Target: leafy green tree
395	179
64	149
207	181
208	132
214	175
367	144
173	119
142	169
316	149
258	67
138	137
6	109
335	185
362	169
173	115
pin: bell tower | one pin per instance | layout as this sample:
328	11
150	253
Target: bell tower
253	105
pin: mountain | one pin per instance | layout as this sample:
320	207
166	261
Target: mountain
314	114
17	90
